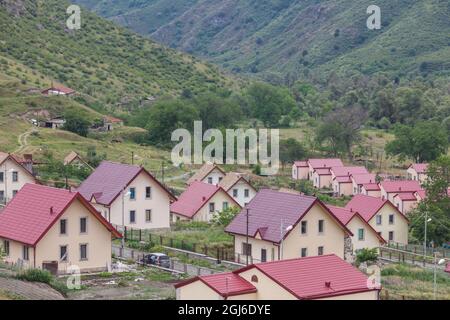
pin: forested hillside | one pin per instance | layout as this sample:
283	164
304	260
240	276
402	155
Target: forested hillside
297	38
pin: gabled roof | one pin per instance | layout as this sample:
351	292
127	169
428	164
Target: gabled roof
35	209
110	179
231	179
60	88
419	167
323	172
410	196
348	171
421	193
203	172
195	197
368	206
269	208
366	178
371	186
400	186
111	119
19	161
343	179
226	284
315	277
345	216
72	156
325	163
301	164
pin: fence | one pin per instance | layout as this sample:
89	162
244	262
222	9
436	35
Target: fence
401	256
175	266
418	249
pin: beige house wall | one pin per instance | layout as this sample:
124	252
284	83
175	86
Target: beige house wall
8	186
16	253
300	173
399	227
241	186
97	238
376	194
159	203
197	290
370	240
216	176
321	181
342	189
332	239
405	206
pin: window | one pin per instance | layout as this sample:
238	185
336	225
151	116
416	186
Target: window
246	249
1	177
25	253
132	193
361	235
246	193
83	252
15	176
83	225
304	228
210	180
6	247
148	215
220	179
391	219
263	255
379	220
63	227
14	193
254	279
2	195
235	193
320	251
321	226
63	253
212	207
148	192
391	235
304	252
225	205
132	216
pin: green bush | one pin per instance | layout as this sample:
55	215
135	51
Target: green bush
35	275
367	255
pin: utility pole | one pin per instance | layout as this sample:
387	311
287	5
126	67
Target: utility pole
281	237
425	238
162	171
123	218
132	157
247	239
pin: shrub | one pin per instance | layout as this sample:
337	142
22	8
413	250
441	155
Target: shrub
35	275
367	255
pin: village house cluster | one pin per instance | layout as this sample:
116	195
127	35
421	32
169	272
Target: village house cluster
282	236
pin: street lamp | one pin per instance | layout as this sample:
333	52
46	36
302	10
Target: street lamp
436	263
6	182
283	233
425	236
123	215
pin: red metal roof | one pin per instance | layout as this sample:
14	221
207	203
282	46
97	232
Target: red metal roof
410	196
195	197
348	171
325	163
420	167
368	206
109	179
400	186
35	208
60	88
343	179
226	284
323	172
315	277
300	164
268	209
371	187
365	178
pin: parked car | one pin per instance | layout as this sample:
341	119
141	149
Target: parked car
446	245
157	259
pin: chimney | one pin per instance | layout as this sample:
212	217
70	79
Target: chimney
51	211
28	158
400	189
204	198
328	284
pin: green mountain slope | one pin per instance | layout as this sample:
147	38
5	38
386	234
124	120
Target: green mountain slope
101	60
299	36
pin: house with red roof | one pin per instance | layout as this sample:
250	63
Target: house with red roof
383	216
325	277
341	179
15	172
359	180
320	171
418	172
371	189
239	187
128	194
55	229
58	90
283	225
200	202
389	189
364	235
300	170
406	202
208	173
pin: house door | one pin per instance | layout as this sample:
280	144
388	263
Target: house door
263	255
52	267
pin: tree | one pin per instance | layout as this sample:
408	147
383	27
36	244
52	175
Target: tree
291	150
424	142
76	123
216	111
436	206
225	217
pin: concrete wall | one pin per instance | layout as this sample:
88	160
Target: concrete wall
400	226
8	186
